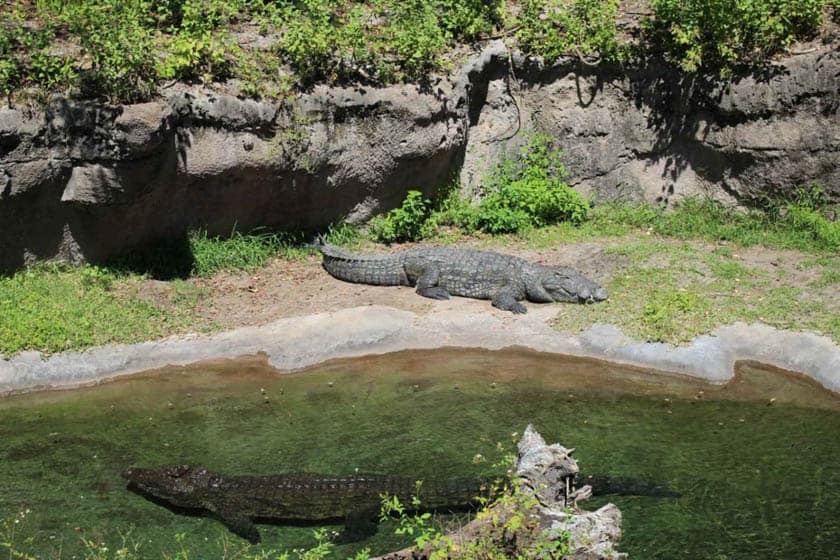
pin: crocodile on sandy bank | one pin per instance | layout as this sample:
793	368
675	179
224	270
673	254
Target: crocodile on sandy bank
238	500
439	272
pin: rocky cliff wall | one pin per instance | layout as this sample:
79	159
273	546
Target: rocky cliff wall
83	181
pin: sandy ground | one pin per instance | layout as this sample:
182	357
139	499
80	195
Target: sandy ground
289	288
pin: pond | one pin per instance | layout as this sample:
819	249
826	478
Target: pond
756	479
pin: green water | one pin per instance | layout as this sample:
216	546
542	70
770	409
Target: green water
758	481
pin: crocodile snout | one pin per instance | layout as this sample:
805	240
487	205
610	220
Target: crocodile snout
592	295
600	294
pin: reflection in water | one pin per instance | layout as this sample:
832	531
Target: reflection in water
699	471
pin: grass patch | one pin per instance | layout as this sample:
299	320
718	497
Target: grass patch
240	251
250	251
52	308
792	225
673	292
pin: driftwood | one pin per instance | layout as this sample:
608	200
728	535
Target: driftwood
546	472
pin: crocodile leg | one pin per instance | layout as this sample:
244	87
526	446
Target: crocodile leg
237	523
506	300
360	523
428	275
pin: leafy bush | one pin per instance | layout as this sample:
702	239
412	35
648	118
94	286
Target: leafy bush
417	36
10	71
530	192
197	48
405	223
718	34
115	34
553	28
470	18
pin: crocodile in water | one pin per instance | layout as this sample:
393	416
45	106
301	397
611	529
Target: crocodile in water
238	500
439	272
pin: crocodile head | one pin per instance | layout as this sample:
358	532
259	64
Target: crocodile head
180	485
564	284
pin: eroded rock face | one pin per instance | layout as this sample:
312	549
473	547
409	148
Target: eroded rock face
85	181
653	134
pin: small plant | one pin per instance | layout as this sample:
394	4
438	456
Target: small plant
405	223
116	36
197	49
720	34
10	541
10	71
553	28
530	192
416	36
509	525
470	18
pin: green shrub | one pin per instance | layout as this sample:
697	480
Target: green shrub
197	48
530	192
10	72
719	34
310	38
405	223
116	35
51	71
416	36
553	28
470	18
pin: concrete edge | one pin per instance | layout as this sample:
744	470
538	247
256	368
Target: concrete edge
297	342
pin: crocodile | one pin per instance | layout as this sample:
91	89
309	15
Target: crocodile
297	497
439	272
307	497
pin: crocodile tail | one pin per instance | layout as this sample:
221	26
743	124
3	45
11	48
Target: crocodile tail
454	493
377	270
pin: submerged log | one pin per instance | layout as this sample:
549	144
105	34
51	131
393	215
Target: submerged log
545	475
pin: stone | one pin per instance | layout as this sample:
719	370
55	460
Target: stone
117	177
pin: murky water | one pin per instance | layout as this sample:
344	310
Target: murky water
757	481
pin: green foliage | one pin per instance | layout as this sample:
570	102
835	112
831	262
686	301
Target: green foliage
406	223
793	224
197	48
413	522
553	28
511	532
116	36
50	71
719	34
417	36
236	252
52	309
530	192
523	192
130	46
310	38
10	68
379	41
470	18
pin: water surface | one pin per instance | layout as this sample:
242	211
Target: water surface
757	480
